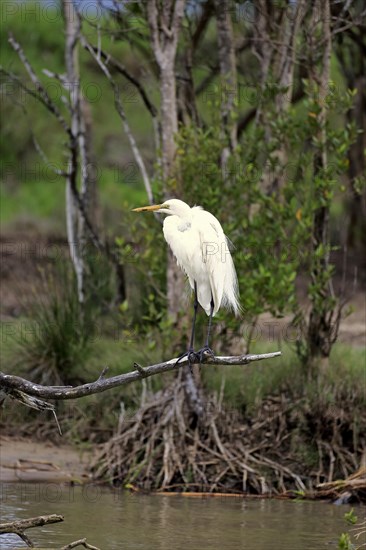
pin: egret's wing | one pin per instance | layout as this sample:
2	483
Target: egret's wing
216	255
213	243
202	251
180	238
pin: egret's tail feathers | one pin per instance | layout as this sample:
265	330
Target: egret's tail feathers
231	299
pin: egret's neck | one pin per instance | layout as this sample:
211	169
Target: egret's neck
184	212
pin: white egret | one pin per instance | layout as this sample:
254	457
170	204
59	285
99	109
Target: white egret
202	251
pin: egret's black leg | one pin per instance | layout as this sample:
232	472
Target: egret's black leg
195	306
190	353
209	323
206	348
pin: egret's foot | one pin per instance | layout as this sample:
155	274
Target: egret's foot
203	353
190	355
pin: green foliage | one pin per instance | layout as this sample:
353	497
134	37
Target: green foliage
329	147
284	374
53	345
267	201
265	230
351	517
30	191
245	213
344	542
142	251
99	280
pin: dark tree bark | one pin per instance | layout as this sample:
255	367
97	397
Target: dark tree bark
275	43
350	49
227	63
321	328
164	22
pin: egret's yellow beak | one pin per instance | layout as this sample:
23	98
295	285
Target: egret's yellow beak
151	208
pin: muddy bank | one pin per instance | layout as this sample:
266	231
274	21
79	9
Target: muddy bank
24	460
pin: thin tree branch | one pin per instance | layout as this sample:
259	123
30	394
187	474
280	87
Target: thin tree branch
249	116
9	382
98	243
207	12
42	93
45	158
50	107
115	64
215	69
122	114
177	16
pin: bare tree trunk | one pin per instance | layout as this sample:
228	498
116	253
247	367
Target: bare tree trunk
75	222
263	50
275	45
357	168
187	107
164	23
229	86
90	197
320	328
351	52
285	55
169	116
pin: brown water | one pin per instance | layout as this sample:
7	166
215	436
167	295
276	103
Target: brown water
118	520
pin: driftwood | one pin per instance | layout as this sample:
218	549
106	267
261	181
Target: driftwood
18	527
80	542
342	489
24	390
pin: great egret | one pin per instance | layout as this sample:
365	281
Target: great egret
202	251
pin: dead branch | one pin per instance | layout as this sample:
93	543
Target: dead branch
10	383
34	403
120	68
40	91
41	95
121	112
18	527
110	61
80	542
356	481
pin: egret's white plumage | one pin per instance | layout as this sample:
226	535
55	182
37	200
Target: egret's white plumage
202	250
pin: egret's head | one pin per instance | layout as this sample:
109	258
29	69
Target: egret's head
174	207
